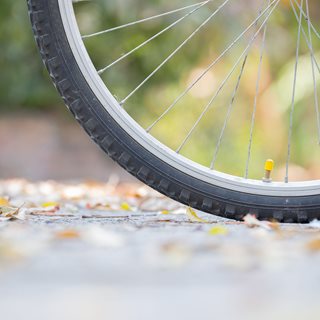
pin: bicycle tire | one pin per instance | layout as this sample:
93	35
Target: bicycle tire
59	59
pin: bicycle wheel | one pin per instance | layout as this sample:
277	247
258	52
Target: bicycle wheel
208	91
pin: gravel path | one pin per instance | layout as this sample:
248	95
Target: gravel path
91	251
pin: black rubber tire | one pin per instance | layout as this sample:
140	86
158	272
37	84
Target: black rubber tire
101	127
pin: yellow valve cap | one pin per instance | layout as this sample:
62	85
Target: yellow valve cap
269	164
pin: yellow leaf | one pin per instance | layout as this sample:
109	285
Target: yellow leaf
4	202
50	204
125	206
165	212
275	225
314	245
193	216
68	234
218	230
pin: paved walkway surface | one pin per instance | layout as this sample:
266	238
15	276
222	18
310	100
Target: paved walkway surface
109	251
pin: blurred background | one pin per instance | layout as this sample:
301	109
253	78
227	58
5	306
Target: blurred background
40	140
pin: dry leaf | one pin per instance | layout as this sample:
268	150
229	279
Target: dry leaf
4	202
274	225
50	211
251	221
193	216
314	245
218	230
11	213
99	206
68	234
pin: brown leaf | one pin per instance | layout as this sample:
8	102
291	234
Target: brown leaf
68	234
49	211
11	213
314	245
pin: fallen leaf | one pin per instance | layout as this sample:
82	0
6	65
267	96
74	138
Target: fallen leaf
251	221
193	216
165	212
50	211
166	220
125	206
314	245
274	225
218	230
11	213
99	206
50	204
68	234
4	202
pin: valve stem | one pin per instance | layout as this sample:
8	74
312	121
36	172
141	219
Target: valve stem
268	167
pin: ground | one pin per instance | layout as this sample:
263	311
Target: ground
122	251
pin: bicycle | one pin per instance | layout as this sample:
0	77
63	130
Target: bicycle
201	170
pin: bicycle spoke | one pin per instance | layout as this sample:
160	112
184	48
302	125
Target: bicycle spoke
305	37
210	66
214	159
316	102
153	37
144	20
236	44
293	95
225	80
305	16
254	111
174	52
229	111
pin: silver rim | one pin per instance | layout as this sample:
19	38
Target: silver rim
154	146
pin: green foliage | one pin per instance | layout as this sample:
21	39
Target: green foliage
23	82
